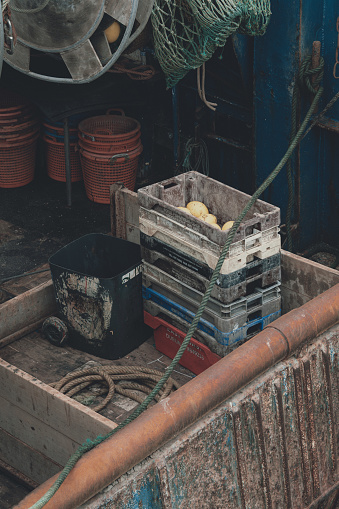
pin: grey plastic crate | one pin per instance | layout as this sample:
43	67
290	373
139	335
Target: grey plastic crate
188	244
202	261
235	339
229	287
223	201
225	317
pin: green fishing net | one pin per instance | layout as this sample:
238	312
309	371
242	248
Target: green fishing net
187	32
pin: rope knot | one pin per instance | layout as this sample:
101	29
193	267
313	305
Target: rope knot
311	77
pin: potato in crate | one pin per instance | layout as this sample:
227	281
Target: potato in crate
168	198
169	227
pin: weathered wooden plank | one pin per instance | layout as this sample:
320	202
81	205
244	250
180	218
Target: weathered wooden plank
124	214
303	279
35	433
250	463
17	313
20	333
289	436
133	233
54	409
25	459
23	284
324	424
271	442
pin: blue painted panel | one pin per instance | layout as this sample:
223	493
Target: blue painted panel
293	28
144	493
275	64
311	167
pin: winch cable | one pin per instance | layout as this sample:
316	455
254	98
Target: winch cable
319	117
309	78
89	444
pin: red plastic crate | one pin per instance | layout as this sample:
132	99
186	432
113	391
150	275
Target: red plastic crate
168	339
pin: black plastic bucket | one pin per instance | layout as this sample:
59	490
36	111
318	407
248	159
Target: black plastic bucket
98	287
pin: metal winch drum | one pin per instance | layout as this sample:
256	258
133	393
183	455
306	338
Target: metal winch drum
74	31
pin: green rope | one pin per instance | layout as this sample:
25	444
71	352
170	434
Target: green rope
304	80
88	445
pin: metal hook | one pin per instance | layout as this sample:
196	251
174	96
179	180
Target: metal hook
9	37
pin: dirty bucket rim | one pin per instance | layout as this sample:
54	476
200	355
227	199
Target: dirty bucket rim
114	239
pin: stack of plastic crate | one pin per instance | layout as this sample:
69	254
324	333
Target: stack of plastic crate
181	251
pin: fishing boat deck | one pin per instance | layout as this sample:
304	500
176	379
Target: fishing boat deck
35	355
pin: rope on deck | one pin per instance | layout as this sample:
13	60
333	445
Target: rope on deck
124	380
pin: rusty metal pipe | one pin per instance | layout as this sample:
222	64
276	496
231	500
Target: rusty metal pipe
101	466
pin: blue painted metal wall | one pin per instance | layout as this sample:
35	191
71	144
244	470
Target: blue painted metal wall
250	131
277	56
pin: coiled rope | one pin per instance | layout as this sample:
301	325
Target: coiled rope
129	378
143	406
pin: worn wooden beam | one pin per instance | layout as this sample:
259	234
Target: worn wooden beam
21	333
40	428
27	308
124	214
303	279
24	458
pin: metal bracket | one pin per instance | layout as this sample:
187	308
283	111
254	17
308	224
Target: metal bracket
118	156
8	33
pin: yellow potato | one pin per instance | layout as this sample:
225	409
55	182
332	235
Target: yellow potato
209	218
197	208
112	32
228	225
216	226
185	209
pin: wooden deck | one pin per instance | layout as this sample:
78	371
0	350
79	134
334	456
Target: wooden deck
28	365
39	427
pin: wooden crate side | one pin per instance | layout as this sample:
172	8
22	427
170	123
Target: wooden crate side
25	459
21	311
55	411
303	279
124	214
34	432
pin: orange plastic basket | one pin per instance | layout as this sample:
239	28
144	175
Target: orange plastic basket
20	131
101	171
55	158
17	117
52	129
11	103
17	162
110	146
116	130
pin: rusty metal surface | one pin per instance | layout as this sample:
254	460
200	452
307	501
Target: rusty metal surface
297	455
330	124
271	445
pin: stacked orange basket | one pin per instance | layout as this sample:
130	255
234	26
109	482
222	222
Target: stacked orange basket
110	147
55	152
19	133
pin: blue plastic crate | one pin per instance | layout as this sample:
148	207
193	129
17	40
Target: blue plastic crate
223	338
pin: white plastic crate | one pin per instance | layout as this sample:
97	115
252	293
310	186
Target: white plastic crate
181	242
223	201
